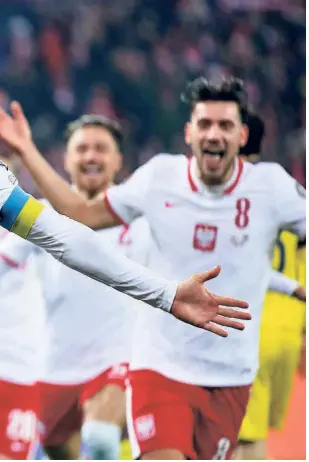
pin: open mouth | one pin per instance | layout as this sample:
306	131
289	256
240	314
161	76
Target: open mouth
214	153
212	159
91	169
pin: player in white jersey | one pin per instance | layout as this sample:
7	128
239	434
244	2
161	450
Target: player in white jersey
21	349
89	350
88	353
78	247
189	389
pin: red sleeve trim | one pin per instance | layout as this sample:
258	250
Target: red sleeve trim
240	166
110	209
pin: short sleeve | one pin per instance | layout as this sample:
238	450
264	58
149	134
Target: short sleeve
290	202
128	200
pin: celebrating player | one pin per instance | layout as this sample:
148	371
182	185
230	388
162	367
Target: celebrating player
87	353
188	389
89	349
78	247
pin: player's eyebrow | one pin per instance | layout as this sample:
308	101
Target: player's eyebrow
208	120
227	122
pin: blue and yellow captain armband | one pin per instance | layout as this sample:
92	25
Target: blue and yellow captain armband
19	212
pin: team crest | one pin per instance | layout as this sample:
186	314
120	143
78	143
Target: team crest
205	237
145	427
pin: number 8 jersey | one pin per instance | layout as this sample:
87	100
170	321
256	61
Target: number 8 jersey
195	227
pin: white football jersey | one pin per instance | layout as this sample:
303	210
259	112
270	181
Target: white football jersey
22	311
194	228
89	325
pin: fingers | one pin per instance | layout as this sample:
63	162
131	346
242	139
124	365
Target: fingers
208	275
3	114
230	313
17	111
222	321
215	329
229	301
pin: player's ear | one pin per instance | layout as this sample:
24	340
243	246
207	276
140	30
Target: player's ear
187	134
244	135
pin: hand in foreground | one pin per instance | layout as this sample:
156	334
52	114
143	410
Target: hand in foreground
195	305
15	130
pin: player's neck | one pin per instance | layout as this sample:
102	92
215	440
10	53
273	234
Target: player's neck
228	179
92	194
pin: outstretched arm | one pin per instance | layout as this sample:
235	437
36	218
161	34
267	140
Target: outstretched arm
79	247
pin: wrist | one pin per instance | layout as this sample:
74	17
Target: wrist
169	296
27	150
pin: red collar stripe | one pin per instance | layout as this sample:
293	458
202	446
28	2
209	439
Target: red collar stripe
190	178
229	189
113	213
240	167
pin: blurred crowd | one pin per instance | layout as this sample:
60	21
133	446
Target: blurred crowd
130	59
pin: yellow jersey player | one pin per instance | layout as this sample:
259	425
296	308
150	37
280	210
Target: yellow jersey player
281	336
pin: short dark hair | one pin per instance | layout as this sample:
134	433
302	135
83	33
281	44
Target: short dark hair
256	134
94	120
224	89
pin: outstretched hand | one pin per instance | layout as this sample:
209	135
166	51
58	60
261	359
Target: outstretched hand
195	305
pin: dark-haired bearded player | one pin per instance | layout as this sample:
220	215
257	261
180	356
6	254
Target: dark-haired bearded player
189	389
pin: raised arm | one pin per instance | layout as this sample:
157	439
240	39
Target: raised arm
16	132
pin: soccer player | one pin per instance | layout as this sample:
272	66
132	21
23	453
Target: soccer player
280	339
87	354
188	389
89	350
78	247
21	348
